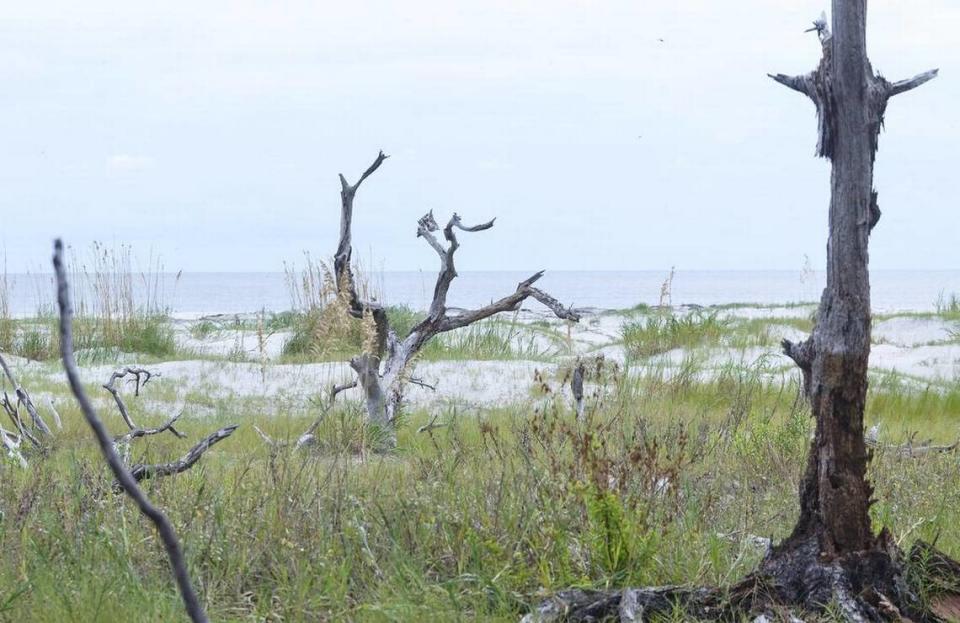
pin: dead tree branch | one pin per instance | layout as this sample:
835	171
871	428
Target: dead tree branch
309	436
140	377
342	259
144	432
903	86
24	398
13	411
12	443
576	387
381	374
142	471
124	478
911	448
431	425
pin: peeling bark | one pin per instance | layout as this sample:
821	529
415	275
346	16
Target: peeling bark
850	101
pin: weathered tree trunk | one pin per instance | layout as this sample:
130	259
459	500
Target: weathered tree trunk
850	100
835	496
832	556
382	374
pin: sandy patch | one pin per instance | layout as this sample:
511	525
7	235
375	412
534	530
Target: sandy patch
914	331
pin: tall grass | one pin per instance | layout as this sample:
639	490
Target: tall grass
7	327
322	327
666	481
118	309
662	332
947	305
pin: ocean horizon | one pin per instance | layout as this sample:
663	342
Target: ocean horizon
191	294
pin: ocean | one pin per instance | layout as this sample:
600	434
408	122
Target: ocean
195	294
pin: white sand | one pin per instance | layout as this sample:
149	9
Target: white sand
907	345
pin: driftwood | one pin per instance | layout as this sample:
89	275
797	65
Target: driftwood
141	471
13	411
126	481
11	442
382	374
139	377
911	448
24	398
308	437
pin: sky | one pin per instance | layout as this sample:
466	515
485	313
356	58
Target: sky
603	135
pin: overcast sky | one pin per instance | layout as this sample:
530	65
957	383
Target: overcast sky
634	134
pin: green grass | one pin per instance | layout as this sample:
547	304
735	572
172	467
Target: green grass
662	332
470	523
96	341
948	305
316	338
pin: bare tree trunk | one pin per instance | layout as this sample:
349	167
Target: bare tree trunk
850	100
832	555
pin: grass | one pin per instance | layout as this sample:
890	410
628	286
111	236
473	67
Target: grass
948	306
662	332
118	310
663	483
329	334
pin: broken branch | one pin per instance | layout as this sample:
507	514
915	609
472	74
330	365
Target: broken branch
24	397
143	432
125	480
141	471
800	84
137	374
903	86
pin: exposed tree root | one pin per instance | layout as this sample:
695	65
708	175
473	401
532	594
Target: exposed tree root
792	584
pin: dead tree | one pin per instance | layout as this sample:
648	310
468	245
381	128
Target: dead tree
125	479
832	555
833	533
382	374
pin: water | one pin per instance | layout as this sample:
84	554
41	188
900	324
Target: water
205	293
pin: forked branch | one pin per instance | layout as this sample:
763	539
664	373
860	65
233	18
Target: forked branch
139	377
126	481
145	432
341	260
382	374
24	398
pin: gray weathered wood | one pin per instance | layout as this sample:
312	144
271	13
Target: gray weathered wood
850	100
832	557
142	471
576	387
139	377
24	398
170	541
383	374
